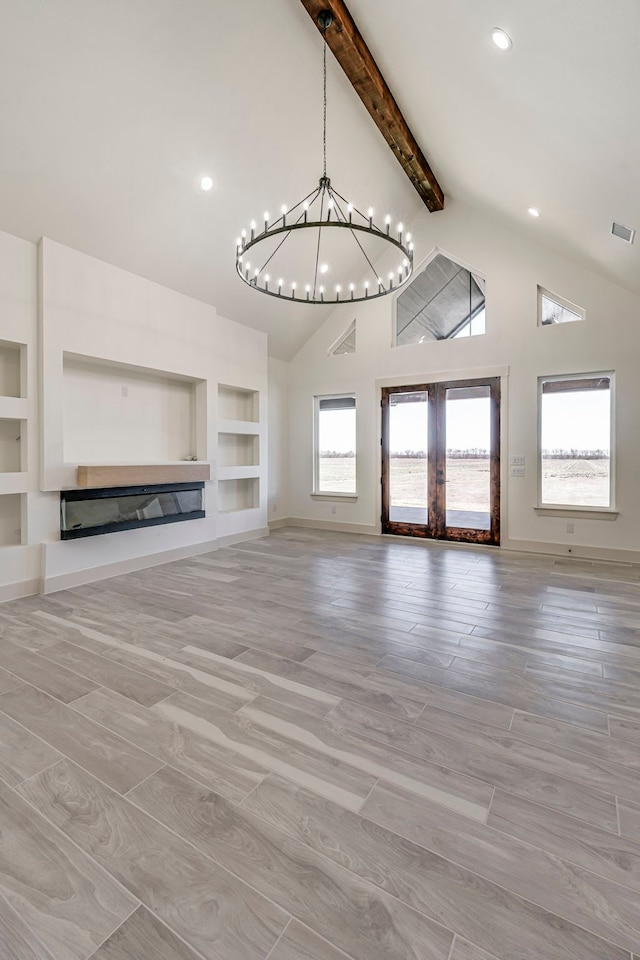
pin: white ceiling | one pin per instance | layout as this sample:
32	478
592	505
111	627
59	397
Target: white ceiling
110	111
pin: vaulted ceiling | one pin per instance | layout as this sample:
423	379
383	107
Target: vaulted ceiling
111	110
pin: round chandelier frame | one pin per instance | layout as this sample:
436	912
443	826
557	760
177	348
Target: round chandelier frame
324	210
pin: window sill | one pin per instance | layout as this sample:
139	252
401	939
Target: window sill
578	513
340	497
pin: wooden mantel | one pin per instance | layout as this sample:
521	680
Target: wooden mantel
134	475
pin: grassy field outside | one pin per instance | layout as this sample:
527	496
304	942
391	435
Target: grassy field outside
584	482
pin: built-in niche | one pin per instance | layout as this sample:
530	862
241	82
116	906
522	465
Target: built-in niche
241	494
238	450
11	369
10	519
236	403
11	435
119	413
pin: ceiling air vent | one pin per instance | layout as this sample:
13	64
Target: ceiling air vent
625	233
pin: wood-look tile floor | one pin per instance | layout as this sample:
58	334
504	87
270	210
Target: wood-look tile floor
322	747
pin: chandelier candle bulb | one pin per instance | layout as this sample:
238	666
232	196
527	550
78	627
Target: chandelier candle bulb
308	289
266	283
279	287
266	222
366	289
387	221
350	212
322	294
370	218
351	289
400	233
253	229
306	210
293	289
284	214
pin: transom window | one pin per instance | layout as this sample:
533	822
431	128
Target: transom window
444	302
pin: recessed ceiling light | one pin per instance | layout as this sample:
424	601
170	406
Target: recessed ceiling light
324	267
501	39
206	183
534	212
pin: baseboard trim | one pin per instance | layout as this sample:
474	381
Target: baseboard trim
67	581
16	591
232	538
362	528
578	551
542	548
282	522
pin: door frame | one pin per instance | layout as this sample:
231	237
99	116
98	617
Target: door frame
436	528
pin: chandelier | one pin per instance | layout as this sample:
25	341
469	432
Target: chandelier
325	242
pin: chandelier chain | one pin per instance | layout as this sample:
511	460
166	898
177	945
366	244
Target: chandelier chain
324	103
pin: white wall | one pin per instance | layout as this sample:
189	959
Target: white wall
278	440
20	561
172	352
125	415
514	346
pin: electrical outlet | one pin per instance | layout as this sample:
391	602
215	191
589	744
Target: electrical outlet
569	528
333	508
517	461
517	471
125	390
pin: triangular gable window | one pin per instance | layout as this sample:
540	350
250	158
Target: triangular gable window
444	301
553	309
346	343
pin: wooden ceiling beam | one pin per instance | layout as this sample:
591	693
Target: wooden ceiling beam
347	44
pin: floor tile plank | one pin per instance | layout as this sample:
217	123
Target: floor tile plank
213	911
360	919
63	897
113	760
143	937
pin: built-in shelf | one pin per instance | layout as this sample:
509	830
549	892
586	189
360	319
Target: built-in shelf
132	475
13	483
13	408
11	369
237	403
238	473
238	427
238	494
10	520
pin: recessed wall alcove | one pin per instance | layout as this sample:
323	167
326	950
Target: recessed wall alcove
11	373
119	413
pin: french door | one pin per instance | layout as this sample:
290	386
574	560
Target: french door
441	460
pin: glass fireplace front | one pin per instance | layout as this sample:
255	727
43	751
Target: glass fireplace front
87	513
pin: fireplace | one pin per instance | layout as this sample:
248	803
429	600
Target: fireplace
90	512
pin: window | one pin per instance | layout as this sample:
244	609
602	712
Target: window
335	445
575	440
346	343
553	309
444	302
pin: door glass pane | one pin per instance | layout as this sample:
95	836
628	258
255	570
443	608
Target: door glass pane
468	444
408	457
